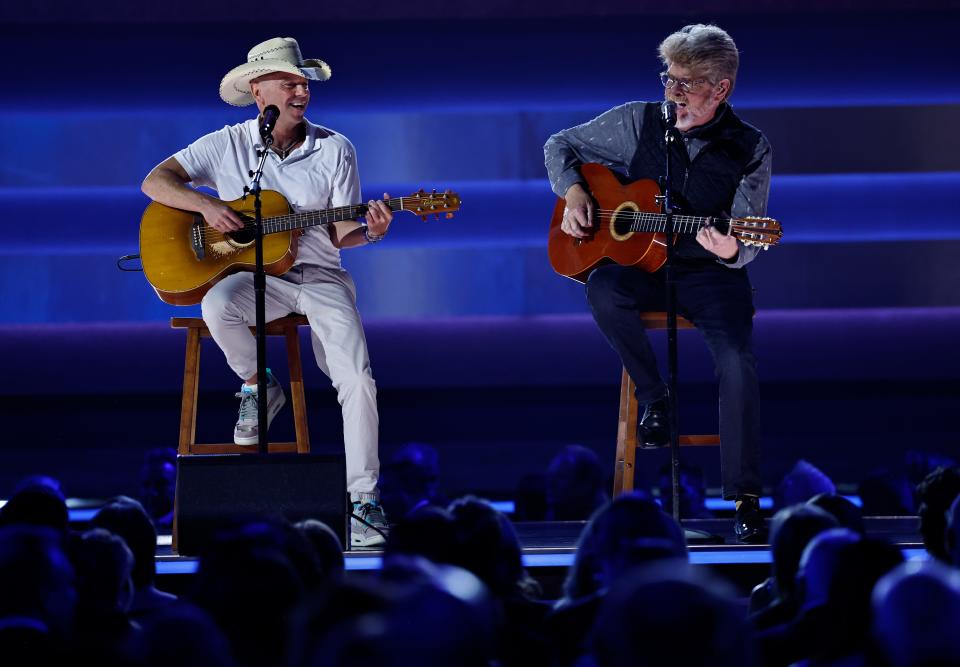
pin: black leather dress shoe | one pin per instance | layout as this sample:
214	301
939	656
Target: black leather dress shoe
653	430
748	523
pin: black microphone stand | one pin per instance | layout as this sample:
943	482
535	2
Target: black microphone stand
666	205
260	292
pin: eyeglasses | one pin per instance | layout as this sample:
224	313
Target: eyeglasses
686	85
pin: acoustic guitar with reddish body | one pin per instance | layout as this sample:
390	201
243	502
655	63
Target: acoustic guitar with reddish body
183	257
629	227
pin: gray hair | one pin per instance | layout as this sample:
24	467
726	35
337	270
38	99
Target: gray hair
703	47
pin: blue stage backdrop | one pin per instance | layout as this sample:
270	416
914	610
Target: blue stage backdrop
865	151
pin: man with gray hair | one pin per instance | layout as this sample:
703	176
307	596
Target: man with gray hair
720	168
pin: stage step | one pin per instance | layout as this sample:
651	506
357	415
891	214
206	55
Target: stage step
803	345
850	241
429	146
813	208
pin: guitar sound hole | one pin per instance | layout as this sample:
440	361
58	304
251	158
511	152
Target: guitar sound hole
621	222
243	236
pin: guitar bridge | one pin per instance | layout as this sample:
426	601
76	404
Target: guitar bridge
196	237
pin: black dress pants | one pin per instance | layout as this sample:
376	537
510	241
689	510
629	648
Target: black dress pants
719	302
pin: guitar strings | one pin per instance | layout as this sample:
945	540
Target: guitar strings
280	222
656	218
603	212
641	215
685	223
682	219
270	225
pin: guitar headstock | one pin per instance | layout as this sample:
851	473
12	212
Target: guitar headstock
754	230
425	203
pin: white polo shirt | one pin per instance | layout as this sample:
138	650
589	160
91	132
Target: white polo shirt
320	174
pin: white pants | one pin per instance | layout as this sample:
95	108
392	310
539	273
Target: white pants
328	299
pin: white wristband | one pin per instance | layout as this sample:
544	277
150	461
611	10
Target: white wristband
370	236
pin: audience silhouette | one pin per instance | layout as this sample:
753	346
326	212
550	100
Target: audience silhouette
126	518
917	612
574	484
453	589
935	494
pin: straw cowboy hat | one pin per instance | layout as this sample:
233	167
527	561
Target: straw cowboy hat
280	54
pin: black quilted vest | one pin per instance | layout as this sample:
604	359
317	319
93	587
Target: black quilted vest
707	184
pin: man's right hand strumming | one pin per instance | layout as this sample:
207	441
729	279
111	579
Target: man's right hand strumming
167	184
220	216
578	214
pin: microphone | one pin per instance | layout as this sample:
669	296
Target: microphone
668	111
269	120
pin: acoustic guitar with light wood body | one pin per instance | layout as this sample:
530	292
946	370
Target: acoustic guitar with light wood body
629	227
183	257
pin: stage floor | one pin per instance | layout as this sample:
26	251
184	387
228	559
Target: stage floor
553	544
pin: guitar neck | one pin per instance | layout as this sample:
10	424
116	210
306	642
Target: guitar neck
292	221
682	224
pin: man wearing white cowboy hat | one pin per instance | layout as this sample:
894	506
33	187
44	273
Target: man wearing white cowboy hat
315	168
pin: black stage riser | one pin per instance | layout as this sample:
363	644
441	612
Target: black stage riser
218	492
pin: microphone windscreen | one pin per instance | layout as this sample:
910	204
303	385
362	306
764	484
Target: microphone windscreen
668	110
270	116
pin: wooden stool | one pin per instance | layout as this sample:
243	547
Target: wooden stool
627	426
196	329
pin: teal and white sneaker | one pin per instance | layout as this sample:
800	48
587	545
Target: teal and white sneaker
247	430
368	523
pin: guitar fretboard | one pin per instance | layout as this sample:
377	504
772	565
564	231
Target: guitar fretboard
682	224
291	221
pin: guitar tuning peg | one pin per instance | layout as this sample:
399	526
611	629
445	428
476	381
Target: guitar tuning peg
449	215
424	217
433	193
